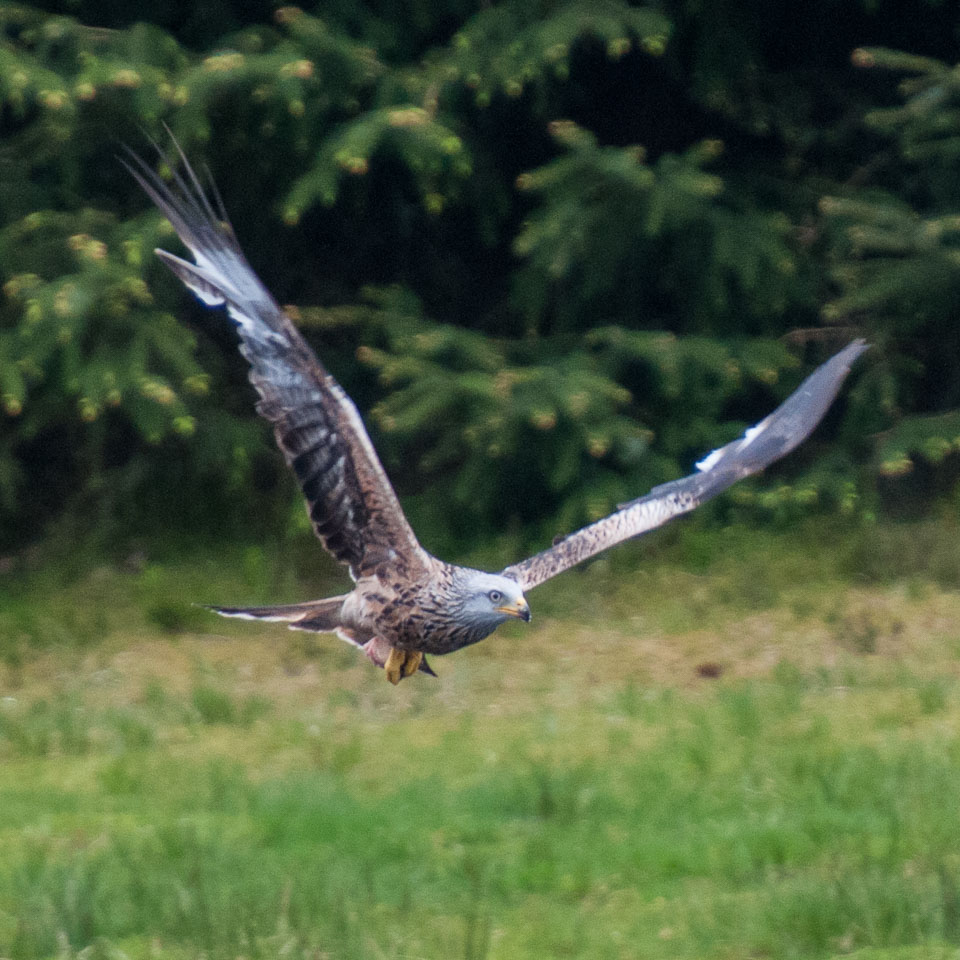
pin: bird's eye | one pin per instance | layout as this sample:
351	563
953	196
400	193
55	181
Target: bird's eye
495	596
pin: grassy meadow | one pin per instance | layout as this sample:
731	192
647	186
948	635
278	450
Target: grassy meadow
715	744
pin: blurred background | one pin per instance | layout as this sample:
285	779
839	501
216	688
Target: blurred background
556	251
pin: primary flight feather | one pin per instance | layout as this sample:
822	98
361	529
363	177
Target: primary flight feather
406	603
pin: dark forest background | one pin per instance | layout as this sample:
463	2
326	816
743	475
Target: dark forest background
555	250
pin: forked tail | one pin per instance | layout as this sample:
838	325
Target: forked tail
318	616
321	616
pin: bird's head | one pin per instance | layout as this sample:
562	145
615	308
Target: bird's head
488	599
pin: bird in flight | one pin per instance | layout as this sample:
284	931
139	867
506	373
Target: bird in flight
406	603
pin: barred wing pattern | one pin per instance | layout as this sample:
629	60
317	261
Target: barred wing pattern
354	509
775	436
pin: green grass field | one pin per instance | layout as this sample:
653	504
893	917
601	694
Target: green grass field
718	745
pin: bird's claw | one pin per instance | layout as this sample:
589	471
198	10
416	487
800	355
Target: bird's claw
402	663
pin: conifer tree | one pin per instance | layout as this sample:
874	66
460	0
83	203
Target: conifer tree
895	252
556	250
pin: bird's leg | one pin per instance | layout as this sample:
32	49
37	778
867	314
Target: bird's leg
377	651
401	663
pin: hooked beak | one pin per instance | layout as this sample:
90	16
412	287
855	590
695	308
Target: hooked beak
520	610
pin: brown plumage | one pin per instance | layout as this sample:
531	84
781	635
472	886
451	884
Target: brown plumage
405	602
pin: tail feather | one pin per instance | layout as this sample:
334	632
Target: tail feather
318	615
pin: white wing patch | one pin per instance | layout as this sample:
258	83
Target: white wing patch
710	460
751	434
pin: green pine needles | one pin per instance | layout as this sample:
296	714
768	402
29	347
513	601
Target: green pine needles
556	250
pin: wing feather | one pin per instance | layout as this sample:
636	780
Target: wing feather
351	503
776	435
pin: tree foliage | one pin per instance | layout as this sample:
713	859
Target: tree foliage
556	249
894	232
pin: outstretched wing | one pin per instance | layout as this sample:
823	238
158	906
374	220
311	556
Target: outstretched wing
773	437
354	510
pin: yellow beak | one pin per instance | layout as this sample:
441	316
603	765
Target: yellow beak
520	610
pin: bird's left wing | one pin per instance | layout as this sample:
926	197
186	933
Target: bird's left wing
354	509
776	435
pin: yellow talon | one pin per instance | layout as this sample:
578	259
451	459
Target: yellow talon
412	663
401	663
393	668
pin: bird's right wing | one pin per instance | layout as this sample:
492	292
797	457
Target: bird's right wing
354	509
773	437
